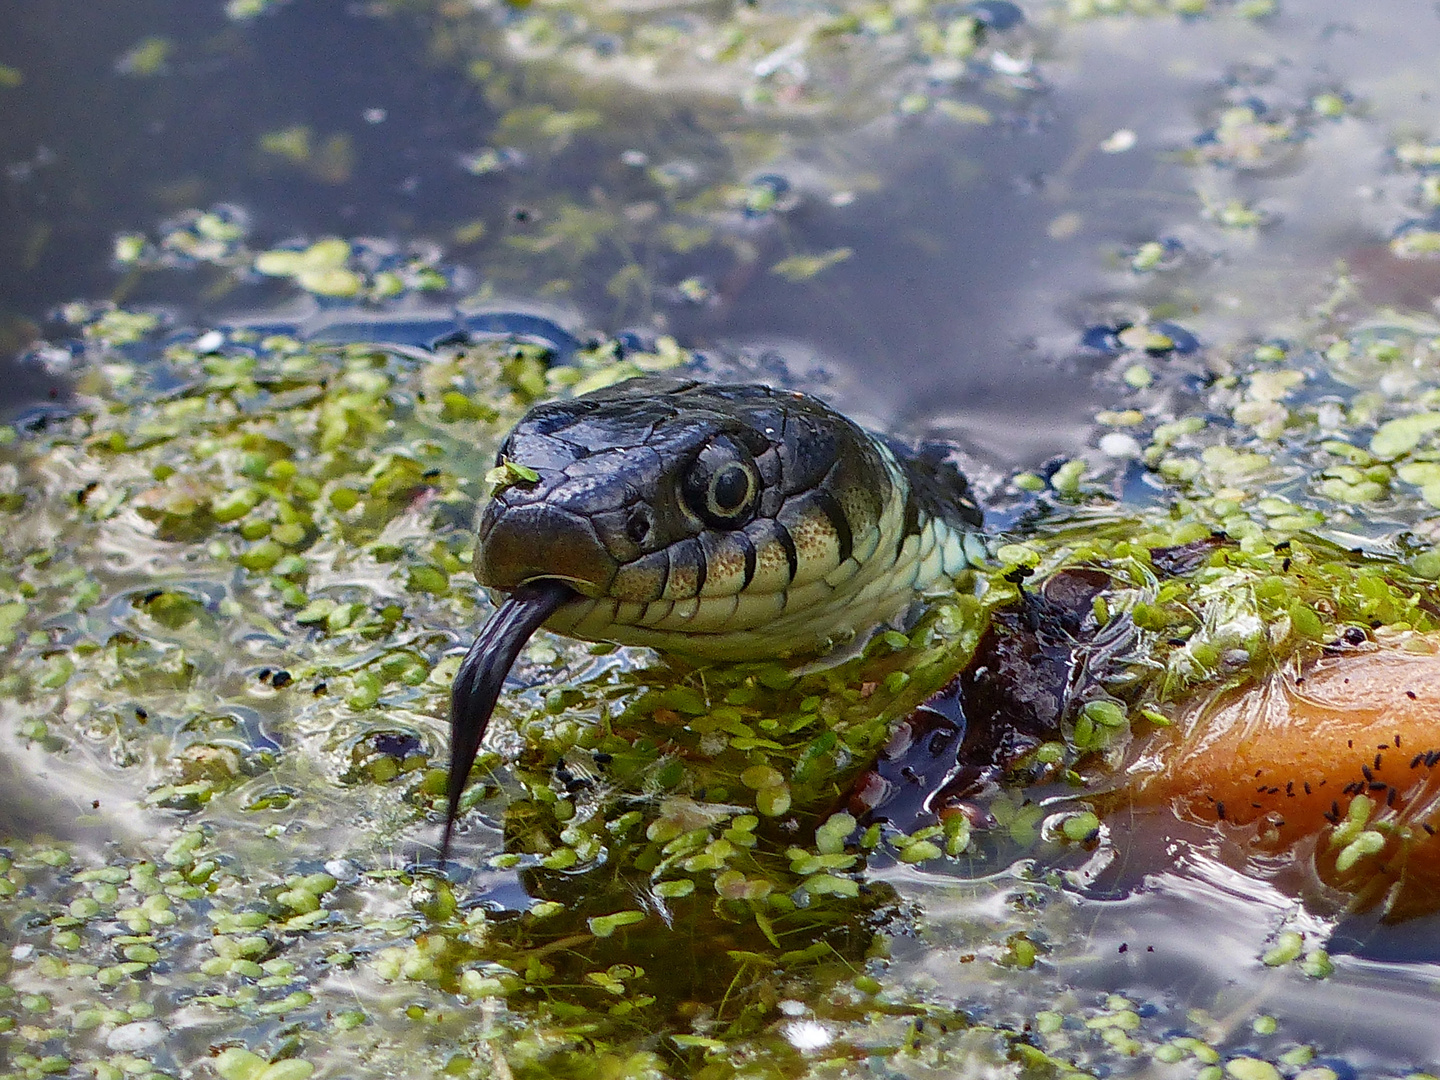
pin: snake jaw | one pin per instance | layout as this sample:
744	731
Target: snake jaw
482	675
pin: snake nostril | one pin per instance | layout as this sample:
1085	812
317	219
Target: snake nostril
637	526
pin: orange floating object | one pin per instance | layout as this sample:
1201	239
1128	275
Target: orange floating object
1284	760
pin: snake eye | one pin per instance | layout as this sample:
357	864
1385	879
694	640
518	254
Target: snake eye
722	487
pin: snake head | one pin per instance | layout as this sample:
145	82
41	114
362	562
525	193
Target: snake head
708	520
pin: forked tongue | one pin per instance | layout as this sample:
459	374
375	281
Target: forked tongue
482	674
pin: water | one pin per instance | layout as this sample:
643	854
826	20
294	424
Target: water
970	251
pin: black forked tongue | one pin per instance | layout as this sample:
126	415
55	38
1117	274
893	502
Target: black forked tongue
481	676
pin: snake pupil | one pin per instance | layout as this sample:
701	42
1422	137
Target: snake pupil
729	490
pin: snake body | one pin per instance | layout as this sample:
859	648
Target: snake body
724	522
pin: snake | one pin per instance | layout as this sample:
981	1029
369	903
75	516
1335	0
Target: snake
716	522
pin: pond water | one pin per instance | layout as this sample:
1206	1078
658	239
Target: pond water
1000	225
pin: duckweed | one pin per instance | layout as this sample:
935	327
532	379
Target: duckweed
315	501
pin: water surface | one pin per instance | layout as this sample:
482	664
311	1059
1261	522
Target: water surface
973	222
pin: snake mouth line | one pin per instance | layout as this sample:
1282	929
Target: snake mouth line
580	588
481	677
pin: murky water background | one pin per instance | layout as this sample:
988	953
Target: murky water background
981	251
971	254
